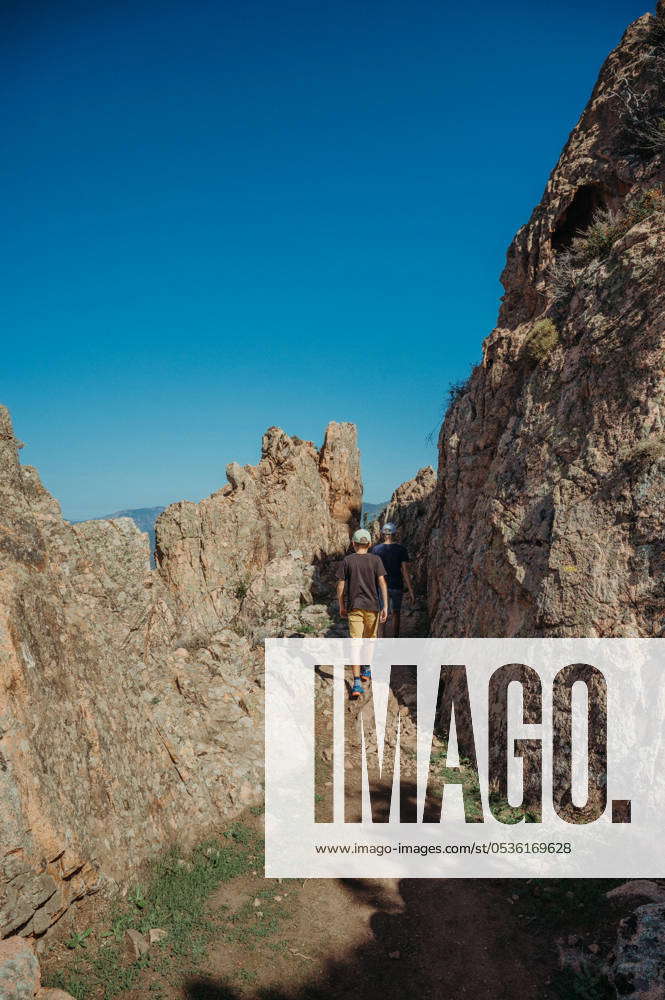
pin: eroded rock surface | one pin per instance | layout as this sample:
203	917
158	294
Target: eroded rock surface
95	737
410	509
548	517
130	714
19	970
297	500
549	514
20	975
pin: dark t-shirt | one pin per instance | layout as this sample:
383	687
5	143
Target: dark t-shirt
361	572
392	556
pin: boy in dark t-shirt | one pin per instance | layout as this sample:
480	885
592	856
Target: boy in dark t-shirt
396	560
361	578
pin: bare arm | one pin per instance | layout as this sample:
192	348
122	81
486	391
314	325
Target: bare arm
340	598
406	576
384	594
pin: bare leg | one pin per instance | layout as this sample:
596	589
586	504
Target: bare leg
355	644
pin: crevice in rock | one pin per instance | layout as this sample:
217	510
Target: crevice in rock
578	215
75	871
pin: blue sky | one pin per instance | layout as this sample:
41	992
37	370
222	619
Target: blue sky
227	215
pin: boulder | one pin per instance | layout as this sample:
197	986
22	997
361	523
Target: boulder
19	970
136	945
638	970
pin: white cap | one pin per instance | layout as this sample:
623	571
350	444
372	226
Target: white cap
362	537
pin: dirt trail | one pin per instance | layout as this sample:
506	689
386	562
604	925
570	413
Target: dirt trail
440	939
368	939
383	939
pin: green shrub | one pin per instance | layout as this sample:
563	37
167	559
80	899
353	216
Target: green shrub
596	242
458	389
542	340
608	226
176	900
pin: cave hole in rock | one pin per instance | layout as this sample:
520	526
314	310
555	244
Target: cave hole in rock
579	213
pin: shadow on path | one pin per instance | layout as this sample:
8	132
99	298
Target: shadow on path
433	939
391	939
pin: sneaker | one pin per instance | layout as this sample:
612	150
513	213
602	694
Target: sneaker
357	688
365	674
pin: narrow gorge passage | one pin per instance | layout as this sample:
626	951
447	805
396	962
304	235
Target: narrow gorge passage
436	939
359	938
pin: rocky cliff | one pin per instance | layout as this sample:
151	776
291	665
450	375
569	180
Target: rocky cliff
549	514
229	558
121	729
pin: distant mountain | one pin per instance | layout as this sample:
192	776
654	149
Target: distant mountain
145	517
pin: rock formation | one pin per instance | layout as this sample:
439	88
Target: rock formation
298	502
549	514
20	975
638	969
122	727
131	698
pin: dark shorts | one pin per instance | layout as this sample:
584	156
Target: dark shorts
395	599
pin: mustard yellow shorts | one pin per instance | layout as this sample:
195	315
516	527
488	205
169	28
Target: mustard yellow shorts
363	624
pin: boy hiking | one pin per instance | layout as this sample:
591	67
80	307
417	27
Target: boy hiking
360	578
396	560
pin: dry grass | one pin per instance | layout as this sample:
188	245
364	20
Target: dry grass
596	242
